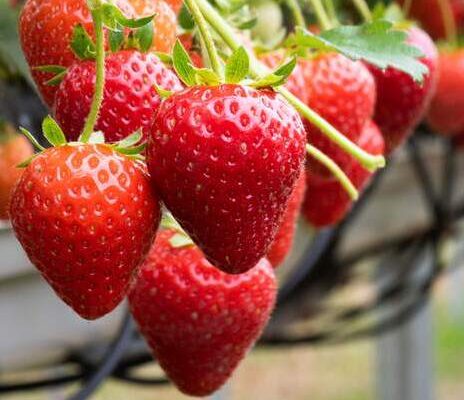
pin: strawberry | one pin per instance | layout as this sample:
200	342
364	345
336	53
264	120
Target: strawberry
225	160
446	110
130	99
343	93
176	5
164	24
46	29
401	102
14	149
86	217
429	13
296	82
283	241
198	321
326	201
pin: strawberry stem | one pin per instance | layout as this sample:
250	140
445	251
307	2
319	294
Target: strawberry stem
331	12
297	14
449	22
205	34
363	9
336	171
368	161
96	12
321	15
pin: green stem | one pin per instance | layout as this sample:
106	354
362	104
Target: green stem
336	171
208	41
363	9
407	8
298	17
368	161
331	12
449	22
321	15
96	11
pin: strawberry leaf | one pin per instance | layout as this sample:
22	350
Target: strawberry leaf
57	79
204	76
112	16
53	69
82	44
238	66
376	43
130	140
52	132
164	57
116	39
180	240
270	80
164	94
286	69
144	37
183	64
26	162
31	138
131	151
185	19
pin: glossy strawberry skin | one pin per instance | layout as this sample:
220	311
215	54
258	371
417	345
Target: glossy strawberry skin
326	202
198	321
46	29
130	98
224	160
283	241
86	218
343	93
401	102
446	114
13	151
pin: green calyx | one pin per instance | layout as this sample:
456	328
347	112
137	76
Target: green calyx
236	71
132	146
180	239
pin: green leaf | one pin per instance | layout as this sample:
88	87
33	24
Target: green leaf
130	140
53	69
180	240
31	138
392	12
376	43
164	57
270	80
286	69
204	76
131	151
238	66
57	79
26	162
183	65
53	132
82	44
164	94
249	24
112	16
144	37
185	19
116	39
96	138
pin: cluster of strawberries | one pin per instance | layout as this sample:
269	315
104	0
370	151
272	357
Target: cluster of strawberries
228	161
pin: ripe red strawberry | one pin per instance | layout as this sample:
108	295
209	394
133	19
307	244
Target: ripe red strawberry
326	202
446	114
46	28
225	160
14	149
343	92
401	102
296	82
198	321
86	217
130	100
430	15
283	241
176	5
